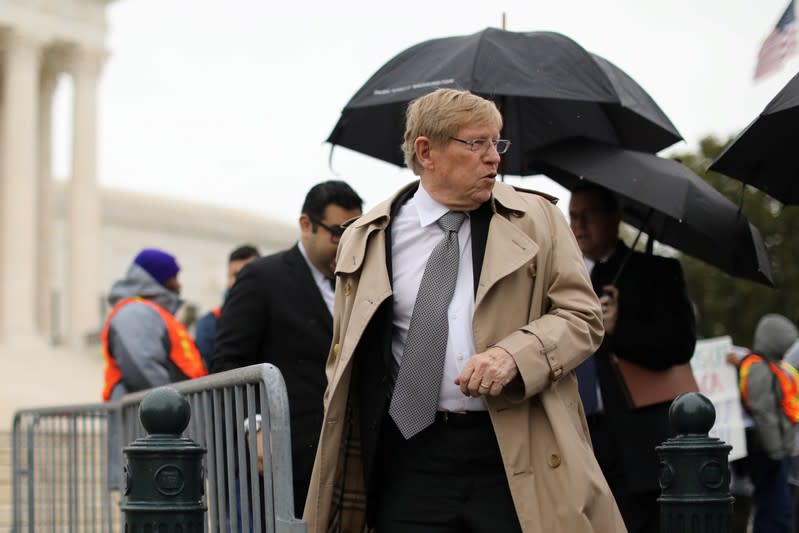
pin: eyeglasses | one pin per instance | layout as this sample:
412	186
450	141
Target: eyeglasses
588	216
481	145
335	231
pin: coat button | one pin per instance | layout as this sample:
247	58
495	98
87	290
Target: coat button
335	351
554	460
347	289
532	270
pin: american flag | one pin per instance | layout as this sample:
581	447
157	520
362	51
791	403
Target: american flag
779	45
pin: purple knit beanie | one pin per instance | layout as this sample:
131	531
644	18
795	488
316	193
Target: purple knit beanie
159	264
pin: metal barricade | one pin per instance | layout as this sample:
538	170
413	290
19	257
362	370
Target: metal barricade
59	470
222	420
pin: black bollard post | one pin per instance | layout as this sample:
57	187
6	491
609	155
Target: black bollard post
163	472
694	473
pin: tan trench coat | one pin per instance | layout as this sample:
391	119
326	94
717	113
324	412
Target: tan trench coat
535	300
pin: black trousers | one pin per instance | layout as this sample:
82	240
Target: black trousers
447	479
640	510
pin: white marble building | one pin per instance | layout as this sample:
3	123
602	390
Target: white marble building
63	243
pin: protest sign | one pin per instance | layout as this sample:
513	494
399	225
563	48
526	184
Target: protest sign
718	380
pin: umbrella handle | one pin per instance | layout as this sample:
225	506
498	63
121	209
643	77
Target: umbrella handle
330	160
741	198
632	248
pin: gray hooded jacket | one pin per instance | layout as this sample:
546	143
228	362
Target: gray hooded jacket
774	334
137	338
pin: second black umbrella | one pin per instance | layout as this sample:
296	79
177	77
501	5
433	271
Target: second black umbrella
667	200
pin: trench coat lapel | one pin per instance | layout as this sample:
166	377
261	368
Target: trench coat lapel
508	248
367	243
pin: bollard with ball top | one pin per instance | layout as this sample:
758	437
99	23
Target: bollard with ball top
163	471
694	472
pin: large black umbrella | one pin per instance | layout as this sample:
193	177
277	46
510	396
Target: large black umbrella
763	154
667	200
547	87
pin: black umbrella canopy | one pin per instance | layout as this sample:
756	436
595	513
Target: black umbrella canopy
547	87
667	200
763	154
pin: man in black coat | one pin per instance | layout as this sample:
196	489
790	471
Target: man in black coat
648	321
279	311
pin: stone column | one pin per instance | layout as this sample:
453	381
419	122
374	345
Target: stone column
83	316
19	184
45	207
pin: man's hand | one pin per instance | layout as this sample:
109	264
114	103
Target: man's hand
487	373
610	307
733	359
259	446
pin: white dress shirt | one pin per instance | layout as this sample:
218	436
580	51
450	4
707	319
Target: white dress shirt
328	295
414	234
589	265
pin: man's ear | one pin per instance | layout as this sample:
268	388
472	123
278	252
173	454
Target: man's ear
305	224
422	146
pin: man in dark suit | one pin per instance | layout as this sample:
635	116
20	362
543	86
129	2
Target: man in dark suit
279	311
648	321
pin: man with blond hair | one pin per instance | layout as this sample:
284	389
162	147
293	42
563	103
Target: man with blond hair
462	308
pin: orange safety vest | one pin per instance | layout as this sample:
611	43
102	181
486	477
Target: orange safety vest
217	312
787	376
183	354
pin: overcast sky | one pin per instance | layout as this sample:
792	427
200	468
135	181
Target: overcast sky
230	101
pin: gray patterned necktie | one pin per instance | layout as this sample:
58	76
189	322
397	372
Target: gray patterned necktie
415	399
